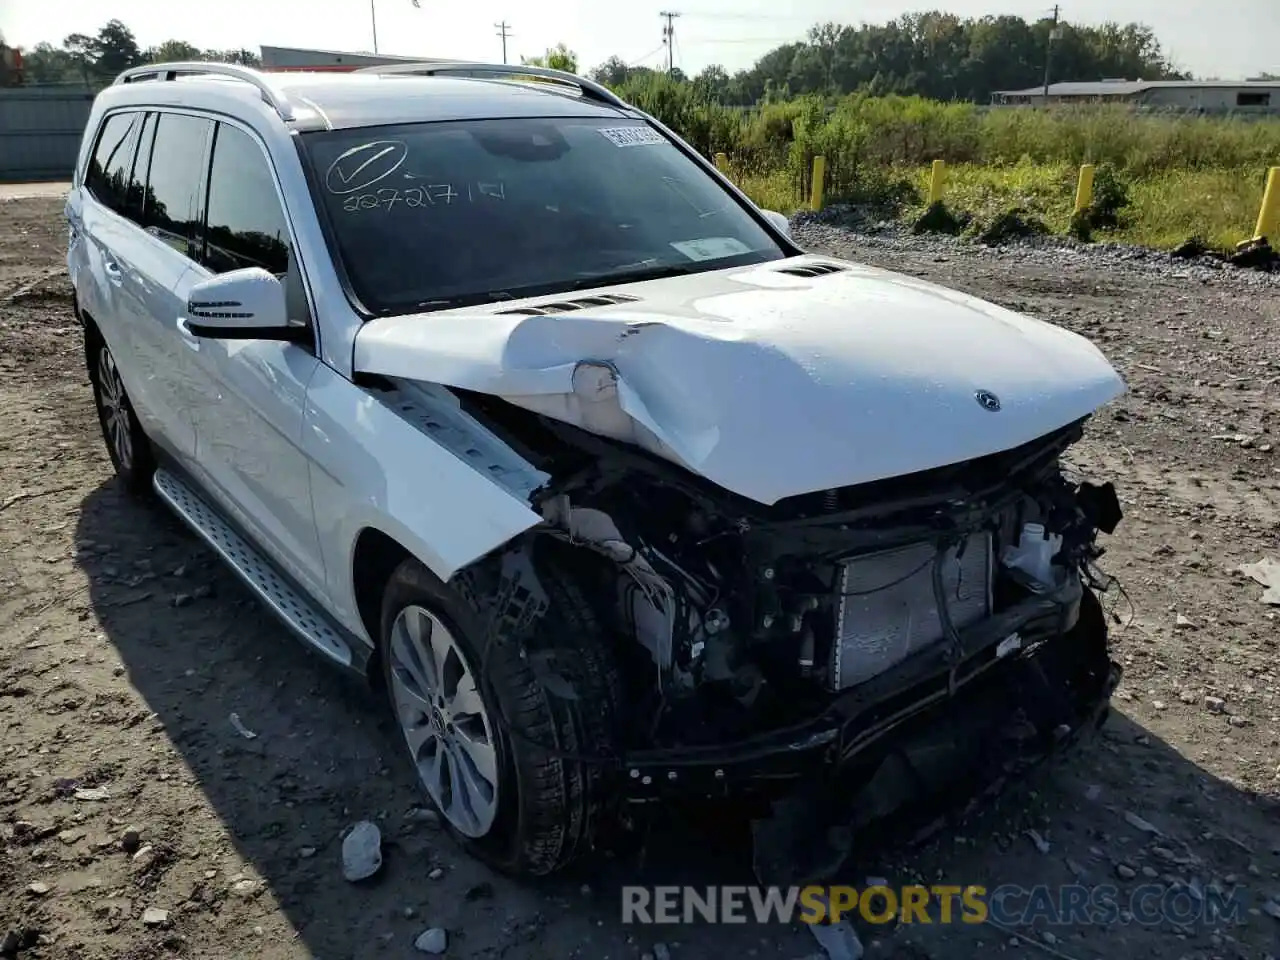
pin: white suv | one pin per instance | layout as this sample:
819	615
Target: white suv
503	397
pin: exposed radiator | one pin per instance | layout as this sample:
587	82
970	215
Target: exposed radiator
886	609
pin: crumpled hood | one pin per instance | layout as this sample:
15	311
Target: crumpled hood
767	383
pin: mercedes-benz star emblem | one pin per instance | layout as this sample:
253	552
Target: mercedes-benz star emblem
987	400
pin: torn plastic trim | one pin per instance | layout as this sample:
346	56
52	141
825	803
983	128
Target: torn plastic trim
438	413
597	531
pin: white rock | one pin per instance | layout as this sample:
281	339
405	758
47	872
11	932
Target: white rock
155	917
245	888
434	940
362	852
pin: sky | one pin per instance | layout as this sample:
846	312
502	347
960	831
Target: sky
1208	37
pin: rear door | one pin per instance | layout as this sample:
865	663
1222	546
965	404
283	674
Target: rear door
105	247
175	150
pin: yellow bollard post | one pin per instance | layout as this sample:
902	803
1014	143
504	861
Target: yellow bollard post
722	163
1084	188
1269	216
819	182
936	182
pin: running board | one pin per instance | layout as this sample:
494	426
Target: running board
298	613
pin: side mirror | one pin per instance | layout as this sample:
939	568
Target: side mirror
780	223
246	304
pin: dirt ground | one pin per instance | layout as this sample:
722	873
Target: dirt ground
125	648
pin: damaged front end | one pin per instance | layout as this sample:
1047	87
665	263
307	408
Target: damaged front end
886	638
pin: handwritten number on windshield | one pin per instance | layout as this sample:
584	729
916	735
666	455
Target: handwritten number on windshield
431	195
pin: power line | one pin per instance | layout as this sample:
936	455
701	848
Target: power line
669	36
504	31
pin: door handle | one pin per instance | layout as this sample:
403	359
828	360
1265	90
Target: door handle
188	338
114	273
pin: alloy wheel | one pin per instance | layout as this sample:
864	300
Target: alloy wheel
114	405
444	720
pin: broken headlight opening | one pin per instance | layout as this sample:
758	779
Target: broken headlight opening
760	646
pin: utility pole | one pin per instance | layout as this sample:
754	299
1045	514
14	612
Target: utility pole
669	37
1048	54
504	31
373	18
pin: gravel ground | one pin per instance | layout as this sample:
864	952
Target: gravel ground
138	822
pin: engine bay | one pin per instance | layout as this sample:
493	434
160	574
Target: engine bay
733	619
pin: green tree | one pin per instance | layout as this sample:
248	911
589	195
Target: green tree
99	57
559	57
172	51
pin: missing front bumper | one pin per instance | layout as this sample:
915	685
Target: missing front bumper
1053	683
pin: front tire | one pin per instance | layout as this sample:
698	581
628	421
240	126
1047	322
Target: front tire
513	769
127	444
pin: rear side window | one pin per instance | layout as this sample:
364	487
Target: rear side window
138	182
173	184
245	226
112	163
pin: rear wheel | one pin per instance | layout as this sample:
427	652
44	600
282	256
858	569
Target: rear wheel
515	770
127	444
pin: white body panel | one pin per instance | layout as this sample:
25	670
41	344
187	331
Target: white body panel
765	383
771	384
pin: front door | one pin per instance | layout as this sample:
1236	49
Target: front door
253	392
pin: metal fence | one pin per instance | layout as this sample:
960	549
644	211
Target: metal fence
40	130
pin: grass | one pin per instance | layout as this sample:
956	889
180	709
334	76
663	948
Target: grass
1186	176
1166	207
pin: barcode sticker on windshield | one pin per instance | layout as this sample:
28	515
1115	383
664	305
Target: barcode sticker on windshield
632	136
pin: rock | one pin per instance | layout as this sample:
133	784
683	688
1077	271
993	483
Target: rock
38	888
661	952
1215	704
144	857
1151	873
182	599
1138	823
1158	704
1040	842
246	888
1187	696
424	816
436	873
1049	937
1272	909
1238	721
306	853
92	793
1183	623
70	836
838	940
131	840
435	940
1093	792
1125	872
155	917
361	852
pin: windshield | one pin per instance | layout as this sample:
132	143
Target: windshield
436	215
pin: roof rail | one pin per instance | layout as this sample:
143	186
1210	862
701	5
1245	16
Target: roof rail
589	89
171	71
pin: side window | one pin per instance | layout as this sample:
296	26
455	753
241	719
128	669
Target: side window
169	209
245	225
142	160
112	163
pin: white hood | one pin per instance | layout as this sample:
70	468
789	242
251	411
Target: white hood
766	383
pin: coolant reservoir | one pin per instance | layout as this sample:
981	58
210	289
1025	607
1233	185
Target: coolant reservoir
1033	555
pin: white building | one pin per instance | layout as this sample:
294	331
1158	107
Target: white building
1208	96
